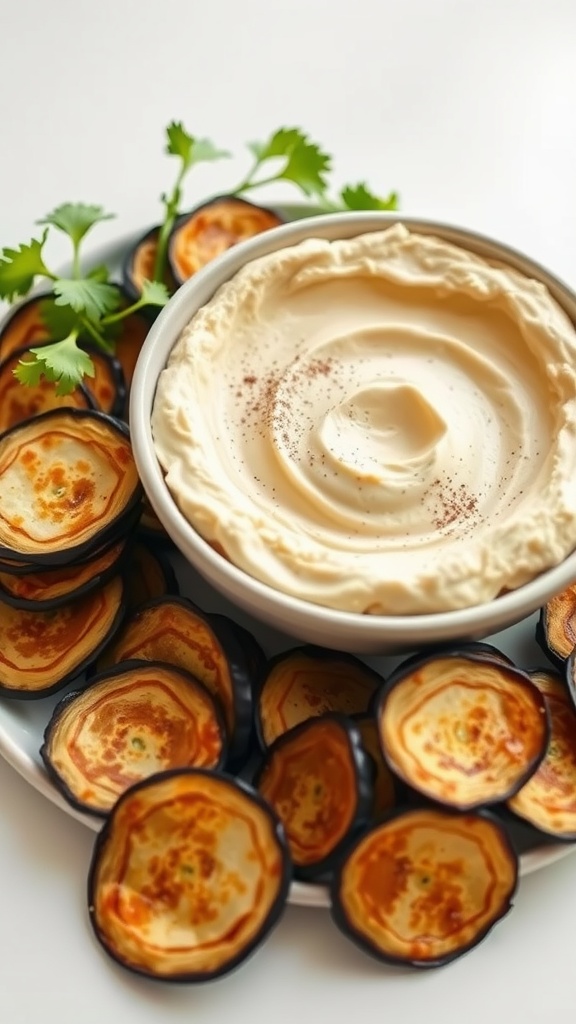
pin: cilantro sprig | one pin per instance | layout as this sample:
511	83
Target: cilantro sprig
300	161
91	302
287	155
87	305
290	155
189	151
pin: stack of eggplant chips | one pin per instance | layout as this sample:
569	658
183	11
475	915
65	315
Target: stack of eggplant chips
172	629
317	767
69	498
464	731
29	324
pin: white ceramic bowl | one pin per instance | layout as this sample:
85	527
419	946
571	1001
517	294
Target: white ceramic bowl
301	619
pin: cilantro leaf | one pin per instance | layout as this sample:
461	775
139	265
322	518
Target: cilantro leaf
19	267
59	320
205	150
154	293
29	370
62	362
84	295
179	142
306	165
359	197
75	219
280	143
189	149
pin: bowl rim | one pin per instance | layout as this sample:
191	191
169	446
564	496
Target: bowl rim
476	620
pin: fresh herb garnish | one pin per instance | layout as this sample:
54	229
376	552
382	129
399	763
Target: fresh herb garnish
360	197
90	301
190	151
302	162
86	305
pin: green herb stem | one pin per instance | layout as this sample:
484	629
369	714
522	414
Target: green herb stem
94	334
121	314
171	206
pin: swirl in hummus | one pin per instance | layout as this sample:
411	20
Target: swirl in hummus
385	424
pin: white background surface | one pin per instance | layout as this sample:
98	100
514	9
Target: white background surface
468	109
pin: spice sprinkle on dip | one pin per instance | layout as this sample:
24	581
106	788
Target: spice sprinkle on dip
384	424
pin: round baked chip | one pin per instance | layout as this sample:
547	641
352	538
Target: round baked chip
130	722
41	651
69	485
319	780
189	874
211	229
546	800
425	886
307	681
462	729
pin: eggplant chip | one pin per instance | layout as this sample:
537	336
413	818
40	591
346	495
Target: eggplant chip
556	626
24	326
318	779
19	403
107	387
547	800
385	783
149	575
203	234
41	651
189	875
129	342
138	266
69	484
307	681
130	722
50	588
425	886
174	630
464	730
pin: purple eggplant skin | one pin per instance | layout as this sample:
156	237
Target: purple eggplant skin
130	286
119	526
157	553
36	335
364	773
255	667
340	918
80	691
118	403
541	637
103	837
83	667
239	739
569	676
52	603
240	742
275	217
255	654
319	654
413	662
465	647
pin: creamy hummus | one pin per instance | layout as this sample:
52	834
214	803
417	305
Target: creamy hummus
385	424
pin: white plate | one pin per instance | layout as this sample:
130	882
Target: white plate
22	722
